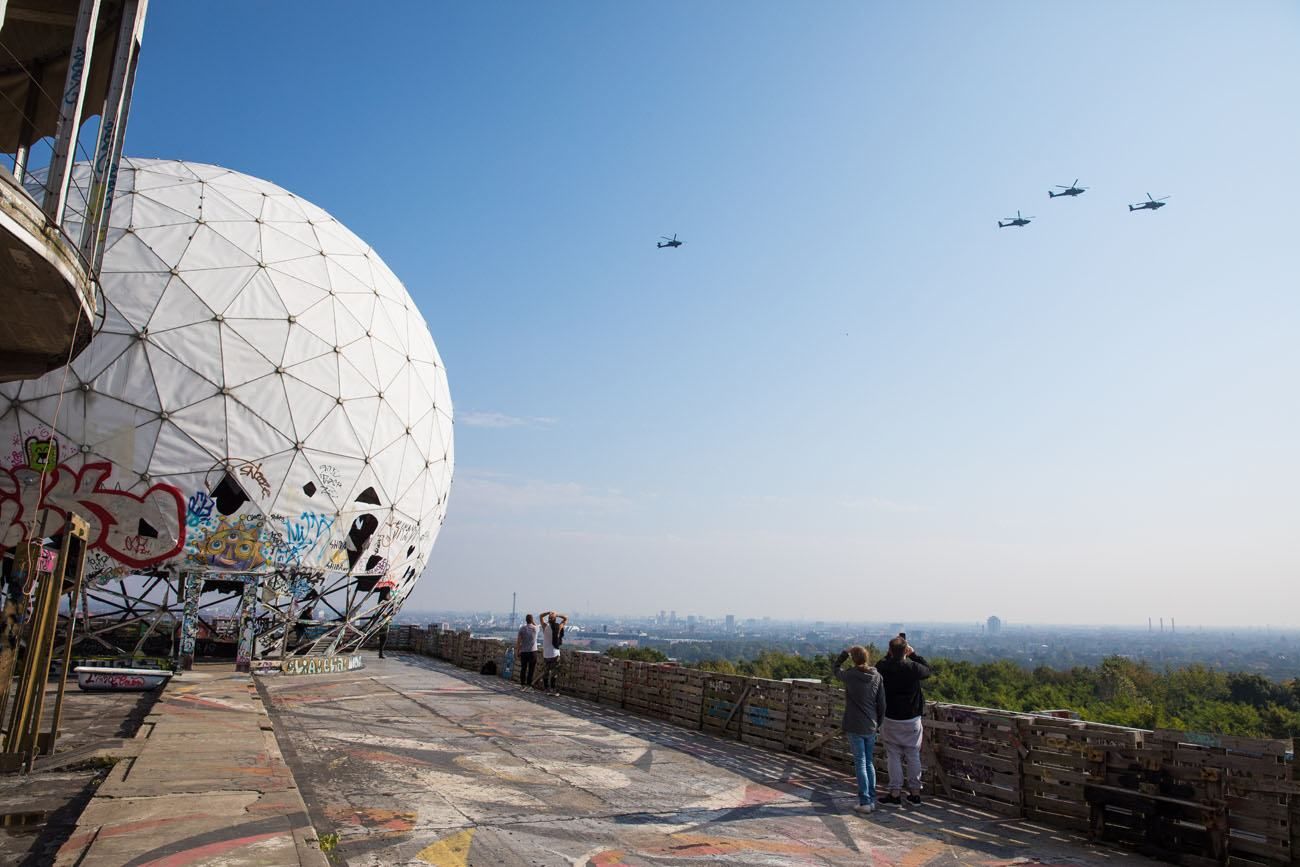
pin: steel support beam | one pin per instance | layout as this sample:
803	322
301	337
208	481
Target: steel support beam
112	132
70	108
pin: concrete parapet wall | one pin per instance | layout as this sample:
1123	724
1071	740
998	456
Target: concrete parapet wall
1193	798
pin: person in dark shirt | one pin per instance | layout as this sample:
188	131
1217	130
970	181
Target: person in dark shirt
903	670
864	707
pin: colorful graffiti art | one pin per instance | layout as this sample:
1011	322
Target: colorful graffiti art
137	530
229	546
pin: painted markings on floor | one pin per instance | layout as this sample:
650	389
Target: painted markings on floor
450	851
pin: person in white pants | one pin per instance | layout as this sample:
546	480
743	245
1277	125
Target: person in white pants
903	669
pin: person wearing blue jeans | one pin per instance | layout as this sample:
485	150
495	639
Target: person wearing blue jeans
864	708
864	749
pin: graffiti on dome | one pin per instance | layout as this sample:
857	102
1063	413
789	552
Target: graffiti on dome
232	546
254	472
137	530
329	480
198	510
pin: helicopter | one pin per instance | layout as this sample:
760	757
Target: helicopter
1017	220
669	242
1073	190
1151	204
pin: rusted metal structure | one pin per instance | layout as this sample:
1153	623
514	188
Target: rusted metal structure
23	740
63	63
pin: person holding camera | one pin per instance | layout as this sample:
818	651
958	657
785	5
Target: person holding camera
903	669
864	708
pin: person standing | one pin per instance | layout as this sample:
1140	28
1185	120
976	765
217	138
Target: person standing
553	626
383	639
864	708
526	651
903	670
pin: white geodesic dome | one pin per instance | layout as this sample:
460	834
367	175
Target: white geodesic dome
262	396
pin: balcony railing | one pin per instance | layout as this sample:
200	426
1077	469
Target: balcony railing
66	74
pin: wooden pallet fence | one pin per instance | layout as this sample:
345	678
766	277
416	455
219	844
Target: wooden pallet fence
1294	813
813	723
645	689
723	703
580	674
1214	797
611	681
1063	756
685	691
974	757
763	718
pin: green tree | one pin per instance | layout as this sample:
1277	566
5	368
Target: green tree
637	654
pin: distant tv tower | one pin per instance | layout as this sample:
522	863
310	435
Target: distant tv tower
1162	626
1171	625
513	597
1150	628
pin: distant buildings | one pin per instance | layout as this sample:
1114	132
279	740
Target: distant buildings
731	624
994	625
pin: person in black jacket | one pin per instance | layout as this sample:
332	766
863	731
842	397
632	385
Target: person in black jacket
903	669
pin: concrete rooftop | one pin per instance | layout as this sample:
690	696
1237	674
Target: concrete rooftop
413	761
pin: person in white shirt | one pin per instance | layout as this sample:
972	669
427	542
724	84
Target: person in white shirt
552	637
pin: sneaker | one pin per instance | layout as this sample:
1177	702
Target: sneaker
891	800
914	800
863	809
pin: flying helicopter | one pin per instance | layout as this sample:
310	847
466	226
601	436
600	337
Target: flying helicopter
1017	220
669	242
1151	204
1072	190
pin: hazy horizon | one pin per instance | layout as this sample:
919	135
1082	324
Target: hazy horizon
848	390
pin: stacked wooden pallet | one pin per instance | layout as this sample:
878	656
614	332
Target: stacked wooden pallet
645	689
1061	757
611	681
813	716
1201	798
764	716
580	675
974	756
685	696
723	700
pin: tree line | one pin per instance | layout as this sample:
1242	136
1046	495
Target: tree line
1119	691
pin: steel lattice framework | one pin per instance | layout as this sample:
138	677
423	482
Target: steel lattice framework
262	414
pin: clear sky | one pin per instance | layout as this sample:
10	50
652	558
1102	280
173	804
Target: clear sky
849	395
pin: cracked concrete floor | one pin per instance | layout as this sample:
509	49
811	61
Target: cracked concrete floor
413	761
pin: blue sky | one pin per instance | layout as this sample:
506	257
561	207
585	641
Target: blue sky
849	394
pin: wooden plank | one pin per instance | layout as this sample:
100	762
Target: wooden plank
1252	746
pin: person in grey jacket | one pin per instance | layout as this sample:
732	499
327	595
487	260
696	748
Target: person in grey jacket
864	708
